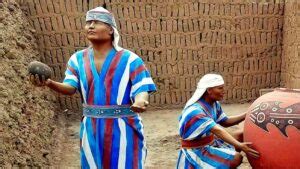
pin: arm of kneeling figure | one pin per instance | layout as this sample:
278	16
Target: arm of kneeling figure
60	87
233	120
224	135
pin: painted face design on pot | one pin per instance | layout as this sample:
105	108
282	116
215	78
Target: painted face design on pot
272	112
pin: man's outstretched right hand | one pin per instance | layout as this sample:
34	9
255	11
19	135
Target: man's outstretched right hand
35	80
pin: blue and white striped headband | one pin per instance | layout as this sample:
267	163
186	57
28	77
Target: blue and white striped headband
102	15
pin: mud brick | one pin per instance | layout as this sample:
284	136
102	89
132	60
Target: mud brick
270	8
163	39
184	9
216	9
276	8
255	8
229	94
126	11
134	27
163	99
228	38
161	57
135	42
234	95
238	94
221	10
281	8
248	38
169	56
227	9
43	6
159	69
217	38
178	97
243	39
52	40
162	11
32	10
151	57
259	8
257	38
278	77
188	40
206	9
163	26
157	99
168	10
38	7
167	84
263	38
129	27
119	9
188	84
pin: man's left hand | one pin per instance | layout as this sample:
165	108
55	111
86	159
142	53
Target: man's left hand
139	106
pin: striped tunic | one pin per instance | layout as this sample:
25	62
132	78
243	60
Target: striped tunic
110	142
196	122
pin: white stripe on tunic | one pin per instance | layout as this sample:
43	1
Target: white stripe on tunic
184	115
198	160
71	77
144	149
73	58
221	117
123	144
145	81
86	148
181	163
225	150
83	92
125	79
199	130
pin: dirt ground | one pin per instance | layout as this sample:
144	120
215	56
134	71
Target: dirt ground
161	136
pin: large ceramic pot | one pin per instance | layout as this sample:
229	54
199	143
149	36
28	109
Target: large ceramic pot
273	126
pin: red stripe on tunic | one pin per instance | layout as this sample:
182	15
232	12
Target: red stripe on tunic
110	75
216	158
94	120
193	120
206	109
90	100
135	145
137	71
89	76
73	71
190	166
107	142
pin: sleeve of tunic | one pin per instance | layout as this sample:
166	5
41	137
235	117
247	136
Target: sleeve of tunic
221	116
72	72
140	78
194	123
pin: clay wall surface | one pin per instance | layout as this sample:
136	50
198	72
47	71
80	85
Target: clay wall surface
180	40
291	45
28	114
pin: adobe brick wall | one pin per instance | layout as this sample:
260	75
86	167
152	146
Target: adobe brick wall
180	40
291	45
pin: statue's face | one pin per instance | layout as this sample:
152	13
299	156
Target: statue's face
98	31
216	93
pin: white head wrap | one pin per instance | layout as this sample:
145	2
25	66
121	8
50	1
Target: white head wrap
103	15
207	81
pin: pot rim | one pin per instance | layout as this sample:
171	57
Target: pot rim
287	90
